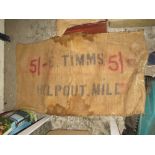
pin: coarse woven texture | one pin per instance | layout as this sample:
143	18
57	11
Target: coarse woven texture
82	75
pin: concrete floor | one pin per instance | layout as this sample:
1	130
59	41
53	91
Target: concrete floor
68	132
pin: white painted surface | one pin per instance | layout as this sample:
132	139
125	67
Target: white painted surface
1	67
113	127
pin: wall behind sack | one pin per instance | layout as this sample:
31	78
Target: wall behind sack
1	67
23	31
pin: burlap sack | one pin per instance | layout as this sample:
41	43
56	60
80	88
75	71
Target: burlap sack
79	74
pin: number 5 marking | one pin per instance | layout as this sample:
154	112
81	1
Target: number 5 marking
35	66
115	62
